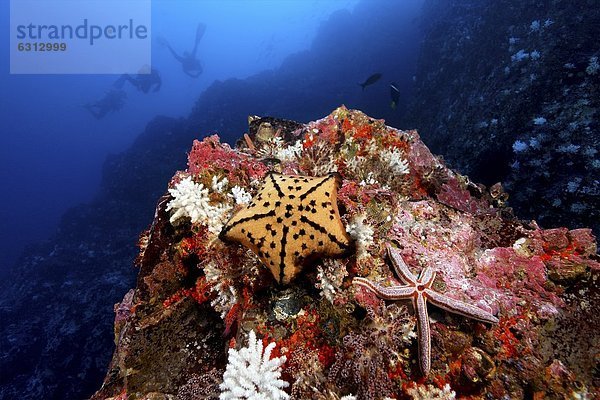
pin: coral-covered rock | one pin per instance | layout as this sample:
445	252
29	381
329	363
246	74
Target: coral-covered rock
325	337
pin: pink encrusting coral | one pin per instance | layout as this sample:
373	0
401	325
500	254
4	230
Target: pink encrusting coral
210	155
328	338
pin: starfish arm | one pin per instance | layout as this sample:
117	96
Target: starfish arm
386	293
400	266
424	334
271	175
231	224
427	276
397	292
459	307
320	229
315	187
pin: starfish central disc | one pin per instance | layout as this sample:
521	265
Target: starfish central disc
290	220
419	290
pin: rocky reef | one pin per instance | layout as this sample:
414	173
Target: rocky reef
208	319
509	91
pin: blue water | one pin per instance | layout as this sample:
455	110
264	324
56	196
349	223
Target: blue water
53	149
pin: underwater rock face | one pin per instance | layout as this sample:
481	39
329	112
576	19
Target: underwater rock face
509	91
322	337
55	322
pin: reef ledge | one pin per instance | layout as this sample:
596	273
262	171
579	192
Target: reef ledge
207	319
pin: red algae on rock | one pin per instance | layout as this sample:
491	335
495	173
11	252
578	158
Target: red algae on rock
197	296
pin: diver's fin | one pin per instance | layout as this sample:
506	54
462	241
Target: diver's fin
199	34
362	85
393	105
200	31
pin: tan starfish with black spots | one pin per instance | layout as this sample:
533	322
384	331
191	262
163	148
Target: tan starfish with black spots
291	220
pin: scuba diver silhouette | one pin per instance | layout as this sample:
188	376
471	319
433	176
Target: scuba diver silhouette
113	100
190	64
143	81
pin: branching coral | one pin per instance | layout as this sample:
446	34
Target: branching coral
309	382
227	295
252	374
191	199
318	159
240	196
229	272
290	153
362	365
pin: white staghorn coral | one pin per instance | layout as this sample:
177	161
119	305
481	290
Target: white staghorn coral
240	195
219	185
190	199
276	147
252	374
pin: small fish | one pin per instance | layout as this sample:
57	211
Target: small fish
370	80
394	94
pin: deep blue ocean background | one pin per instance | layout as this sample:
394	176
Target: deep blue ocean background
53	149
77	191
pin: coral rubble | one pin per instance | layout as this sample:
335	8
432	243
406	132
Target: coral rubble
207	319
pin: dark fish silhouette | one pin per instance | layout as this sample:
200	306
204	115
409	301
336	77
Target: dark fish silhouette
370	80
394	94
